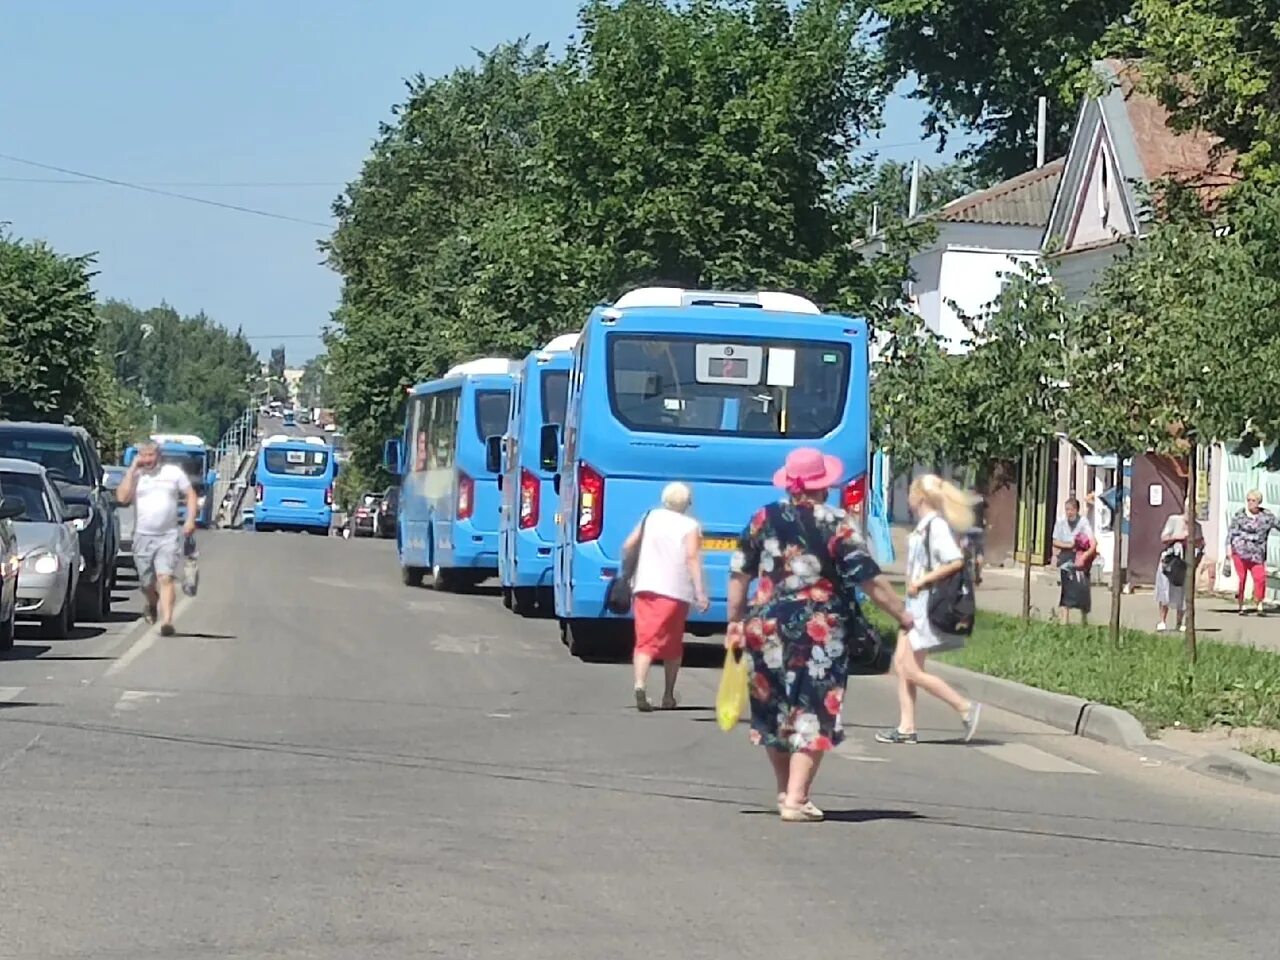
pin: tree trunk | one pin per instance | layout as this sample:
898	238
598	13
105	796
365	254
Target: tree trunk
1033	479
1189	555
1117	553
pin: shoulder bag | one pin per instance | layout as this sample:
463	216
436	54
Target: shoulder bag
870	655
618	597
951	605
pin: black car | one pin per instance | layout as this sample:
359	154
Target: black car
387	511
364	518
70	456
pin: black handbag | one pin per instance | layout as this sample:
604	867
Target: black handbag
1175	568
870	655
952	606
618	597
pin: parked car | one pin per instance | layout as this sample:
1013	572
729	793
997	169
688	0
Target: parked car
364	518
9	563
125	516
387	511
48	546
70	458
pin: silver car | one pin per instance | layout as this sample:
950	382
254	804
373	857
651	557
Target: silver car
48	545
113	476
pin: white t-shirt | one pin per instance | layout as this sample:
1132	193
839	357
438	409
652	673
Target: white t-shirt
943	549
662	567
155	500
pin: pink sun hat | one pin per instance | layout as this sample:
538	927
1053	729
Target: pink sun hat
808	469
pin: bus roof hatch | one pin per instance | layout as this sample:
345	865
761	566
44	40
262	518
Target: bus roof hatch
772	300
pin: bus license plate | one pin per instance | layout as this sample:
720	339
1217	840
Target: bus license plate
719	544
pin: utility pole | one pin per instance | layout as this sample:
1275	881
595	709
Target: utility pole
913	197
1042	130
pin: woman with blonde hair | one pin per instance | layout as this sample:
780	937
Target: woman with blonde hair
668	580
933	555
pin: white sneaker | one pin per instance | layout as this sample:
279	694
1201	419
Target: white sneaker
1182	628
1162	627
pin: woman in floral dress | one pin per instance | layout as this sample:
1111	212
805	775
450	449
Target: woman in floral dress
794	628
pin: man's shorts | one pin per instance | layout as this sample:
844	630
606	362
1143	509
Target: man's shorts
156	554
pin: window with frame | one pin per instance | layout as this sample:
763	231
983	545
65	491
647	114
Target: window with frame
443	431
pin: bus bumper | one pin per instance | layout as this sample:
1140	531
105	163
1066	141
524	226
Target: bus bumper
472	549
534	563
292	517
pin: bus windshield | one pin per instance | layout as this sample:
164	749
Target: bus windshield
555	394
192	465
674	384
296	463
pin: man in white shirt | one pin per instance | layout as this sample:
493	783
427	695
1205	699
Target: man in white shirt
154	488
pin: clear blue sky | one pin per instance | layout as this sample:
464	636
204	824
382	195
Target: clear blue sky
230	92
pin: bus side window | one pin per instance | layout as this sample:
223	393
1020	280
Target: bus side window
444	429
418	432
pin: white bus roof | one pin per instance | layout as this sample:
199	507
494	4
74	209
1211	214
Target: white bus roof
679	297
561	344
190	439
285	438
480	367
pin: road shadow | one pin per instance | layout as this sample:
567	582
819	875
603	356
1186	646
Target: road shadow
31	631
25	651
121	616
196	635
850	816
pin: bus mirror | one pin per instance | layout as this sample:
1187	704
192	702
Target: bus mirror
549	446
493	454
391	457
129	454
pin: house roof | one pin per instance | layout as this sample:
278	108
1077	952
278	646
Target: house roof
1022	201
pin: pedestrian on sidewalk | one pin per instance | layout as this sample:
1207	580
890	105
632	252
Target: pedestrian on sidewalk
668	580
1171	572
1077	547
795	628
977	535
933	554
1247	546
155	489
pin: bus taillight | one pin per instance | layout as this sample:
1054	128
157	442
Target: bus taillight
530	494
466	496
590	503
260	493
328	496
854	494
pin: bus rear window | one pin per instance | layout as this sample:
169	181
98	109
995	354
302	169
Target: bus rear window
555	394
492	408
296	463
666	384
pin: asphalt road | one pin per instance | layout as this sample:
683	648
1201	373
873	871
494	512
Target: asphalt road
326	764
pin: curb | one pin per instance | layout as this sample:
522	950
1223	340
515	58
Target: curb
1105	724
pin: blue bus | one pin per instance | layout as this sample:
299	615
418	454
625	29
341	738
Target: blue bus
448	461
294	481
713	389
196	459
527	525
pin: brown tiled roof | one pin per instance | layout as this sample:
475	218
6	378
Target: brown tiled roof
1023	201
1194	157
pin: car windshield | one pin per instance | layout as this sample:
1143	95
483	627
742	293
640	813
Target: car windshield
491	412
29	490
297	463
669	384
59	454
555	395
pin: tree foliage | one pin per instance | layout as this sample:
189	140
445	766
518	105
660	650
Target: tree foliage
189	372
709	144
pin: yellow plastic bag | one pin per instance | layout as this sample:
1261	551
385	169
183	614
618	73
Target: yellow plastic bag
731	699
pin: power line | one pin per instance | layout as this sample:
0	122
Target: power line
331	184
283	336
165	193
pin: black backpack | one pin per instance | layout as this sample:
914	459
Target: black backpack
952	604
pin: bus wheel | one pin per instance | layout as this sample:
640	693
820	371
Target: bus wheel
448	580
599	641
508	599
524	601
412	576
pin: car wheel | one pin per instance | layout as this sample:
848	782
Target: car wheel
9	627
59	627
89	603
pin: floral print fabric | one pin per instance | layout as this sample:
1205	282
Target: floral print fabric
1248	534
795	627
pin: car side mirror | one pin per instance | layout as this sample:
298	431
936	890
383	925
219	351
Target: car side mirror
493	454
549	446
76	511
11	508
391	457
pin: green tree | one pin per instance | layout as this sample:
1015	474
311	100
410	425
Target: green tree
1171	330
981	66
49	364
313	389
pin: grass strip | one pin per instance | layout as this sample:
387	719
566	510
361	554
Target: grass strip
1147	674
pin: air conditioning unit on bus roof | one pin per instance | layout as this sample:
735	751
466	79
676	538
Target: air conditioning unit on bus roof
285	438
186	439
561	344
485	365
774	300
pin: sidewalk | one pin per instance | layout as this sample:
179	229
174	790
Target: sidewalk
1001	592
